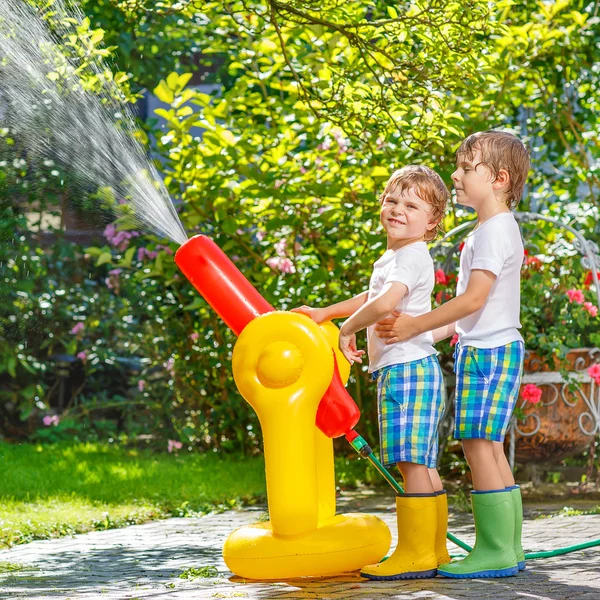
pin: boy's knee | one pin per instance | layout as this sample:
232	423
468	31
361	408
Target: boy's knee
408	467
498	449
475	449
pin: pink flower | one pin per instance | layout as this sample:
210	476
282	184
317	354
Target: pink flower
280	247
112	281
454	340
594	373
575	296
174	445
286	266
141	385
77	328
532	393
118	239
82	356
260	235
51	420
142	252
165	248
194	336
273	262
593	310
170	366
440	277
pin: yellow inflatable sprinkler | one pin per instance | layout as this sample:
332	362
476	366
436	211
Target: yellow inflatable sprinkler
283	365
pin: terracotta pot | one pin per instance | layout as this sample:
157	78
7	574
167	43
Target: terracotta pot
557	417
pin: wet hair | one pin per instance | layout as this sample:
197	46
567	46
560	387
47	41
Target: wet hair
428	186
500	150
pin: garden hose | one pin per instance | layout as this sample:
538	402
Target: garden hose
360	445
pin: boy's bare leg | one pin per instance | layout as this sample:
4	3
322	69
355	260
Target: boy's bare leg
436	482
416	478
484	469
503	466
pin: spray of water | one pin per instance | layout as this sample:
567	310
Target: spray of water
46	101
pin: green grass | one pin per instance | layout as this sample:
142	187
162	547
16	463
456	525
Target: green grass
62	489
568	511
54	490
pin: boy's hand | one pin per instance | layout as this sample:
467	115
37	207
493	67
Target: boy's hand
318	315
397	328
347	345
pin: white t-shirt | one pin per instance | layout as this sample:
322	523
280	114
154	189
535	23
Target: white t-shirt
495	246
412	266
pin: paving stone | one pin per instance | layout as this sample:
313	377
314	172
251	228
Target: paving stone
144	562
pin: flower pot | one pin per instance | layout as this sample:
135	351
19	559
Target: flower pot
562	423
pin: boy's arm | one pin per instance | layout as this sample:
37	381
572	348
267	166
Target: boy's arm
406	327
335	311
375	309
441	333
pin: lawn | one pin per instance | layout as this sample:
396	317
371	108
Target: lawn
54	490
61	489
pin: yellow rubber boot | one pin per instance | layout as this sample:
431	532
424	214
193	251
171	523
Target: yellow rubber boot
441	550
414	557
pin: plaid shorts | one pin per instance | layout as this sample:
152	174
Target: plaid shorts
410	406
487	388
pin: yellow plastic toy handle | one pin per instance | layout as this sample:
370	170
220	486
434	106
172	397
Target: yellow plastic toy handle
282	366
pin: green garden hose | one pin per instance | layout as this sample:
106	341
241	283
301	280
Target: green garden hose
360	445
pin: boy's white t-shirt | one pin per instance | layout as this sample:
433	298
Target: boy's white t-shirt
412	266
495	246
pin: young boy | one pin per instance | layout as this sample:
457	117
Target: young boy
491	170
409	378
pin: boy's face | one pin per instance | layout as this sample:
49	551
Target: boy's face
473	182
405	216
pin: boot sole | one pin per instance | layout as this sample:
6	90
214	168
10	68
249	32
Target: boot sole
509	572
522	565
413	575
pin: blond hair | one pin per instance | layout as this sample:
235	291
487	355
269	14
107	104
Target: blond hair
428	186
500	150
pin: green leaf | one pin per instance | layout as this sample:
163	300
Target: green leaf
104	258
267	46
128	257
380	172
164	93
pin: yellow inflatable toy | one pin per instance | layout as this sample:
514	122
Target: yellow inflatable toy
282	364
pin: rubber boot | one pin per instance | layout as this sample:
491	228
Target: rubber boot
515	491
414	557
494	552
441	550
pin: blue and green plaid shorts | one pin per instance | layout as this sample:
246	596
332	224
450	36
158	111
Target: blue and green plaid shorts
410	406
487	388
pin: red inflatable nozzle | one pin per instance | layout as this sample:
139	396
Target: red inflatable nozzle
238	302
221	283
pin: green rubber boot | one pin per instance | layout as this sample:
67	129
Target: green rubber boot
494	552
515	492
